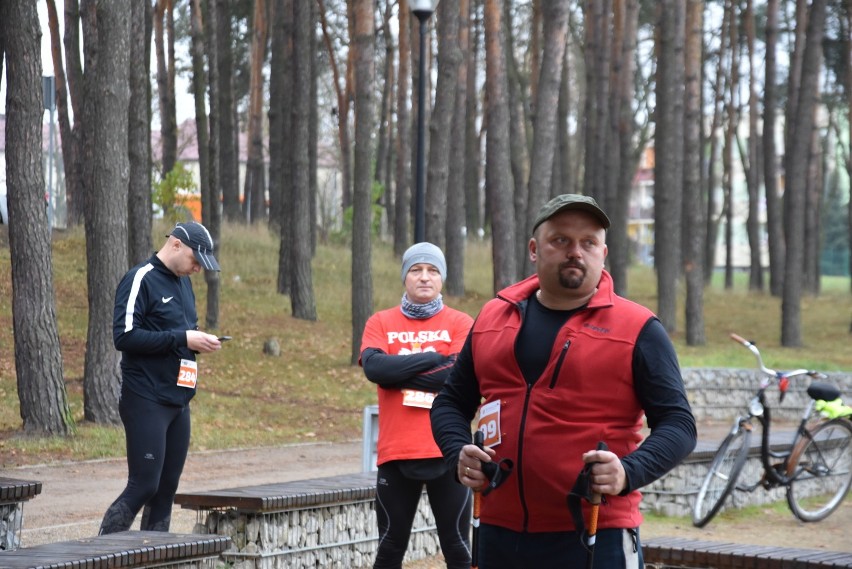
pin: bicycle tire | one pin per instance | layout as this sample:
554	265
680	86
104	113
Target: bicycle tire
821	466
722	476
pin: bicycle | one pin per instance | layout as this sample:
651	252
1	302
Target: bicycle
816	467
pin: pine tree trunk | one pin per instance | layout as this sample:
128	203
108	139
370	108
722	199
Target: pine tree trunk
498	176
38	361
302	302
211	213
139	212
449	59
362	278
229	177
106	212
799	139
455	190
693	207
668	173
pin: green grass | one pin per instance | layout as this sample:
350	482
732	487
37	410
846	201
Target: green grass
312	392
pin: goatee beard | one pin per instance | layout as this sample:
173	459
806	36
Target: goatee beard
571	281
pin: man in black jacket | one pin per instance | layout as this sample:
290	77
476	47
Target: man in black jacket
155	326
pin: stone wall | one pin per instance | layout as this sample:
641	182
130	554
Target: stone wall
331	535
11	516
721	394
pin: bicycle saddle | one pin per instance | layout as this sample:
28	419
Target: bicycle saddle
825	391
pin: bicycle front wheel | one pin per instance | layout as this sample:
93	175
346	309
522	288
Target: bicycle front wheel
722	476
821	469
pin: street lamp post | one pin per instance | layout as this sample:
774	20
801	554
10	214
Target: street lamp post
423	10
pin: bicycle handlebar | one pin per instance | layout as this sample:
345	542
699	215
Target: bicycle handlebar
777	374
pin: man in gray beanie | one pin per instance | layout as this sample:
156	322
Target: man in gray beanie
424	253
408	352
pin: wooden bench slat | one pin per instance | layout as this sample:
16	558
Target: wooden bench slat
284	495
684	552
124	549
14	490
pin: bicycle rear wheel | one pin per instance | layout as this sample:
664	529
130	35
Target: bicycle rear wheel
821	465
722	476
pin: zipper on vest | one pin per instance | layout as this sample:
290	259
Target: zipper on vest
519	468
559	361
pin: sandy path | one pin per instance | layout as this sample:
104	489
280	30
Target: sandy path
75	495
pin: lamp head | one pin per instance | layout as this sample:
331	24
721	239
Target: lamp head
423	8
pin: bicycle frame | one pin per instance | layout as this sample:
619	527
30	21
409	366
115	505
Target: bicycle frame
774	474
815	467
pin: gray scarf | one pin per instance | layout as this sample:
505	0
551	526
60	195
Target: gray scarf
421	311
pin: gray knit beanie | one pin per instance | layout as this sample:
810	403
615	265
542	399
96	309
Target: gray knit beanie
424	253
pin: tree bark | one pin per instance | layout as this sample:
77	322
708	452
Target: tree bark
228	150
596	119
254	189
455	250
302	302
755	278
211	212
712	217
402	153
774	227
622	134
72	136
139	212
693	207
106	212
498	176
546	104
280	142
518	103
38	362
384	148
449	59
668	173
166	82
362	48
731	128
799	138
473	153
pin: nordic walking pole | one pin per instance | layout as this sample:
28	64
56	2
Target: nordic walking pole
478	439
593	520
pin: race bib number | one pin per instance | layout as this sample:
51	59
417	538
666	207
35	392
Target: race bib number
489	423
415	398
188	374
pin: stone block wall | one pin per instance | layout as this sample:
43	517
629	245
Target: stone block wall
330	535
720	394
11	516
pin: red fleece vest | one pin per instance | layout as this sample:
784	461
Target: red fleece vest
585	395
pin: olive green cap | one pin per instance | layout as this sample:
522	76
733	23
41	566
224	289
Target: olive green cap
570	201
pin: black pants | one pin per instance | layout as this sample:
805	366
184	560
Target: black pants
396	505
157	443
500	548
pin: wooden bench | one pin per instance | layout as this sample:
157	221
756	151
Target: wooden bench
320	522
676	552
13	494
130	549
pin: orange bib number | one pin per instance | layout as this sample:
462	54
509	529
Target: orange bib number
415	398
188	374
489	423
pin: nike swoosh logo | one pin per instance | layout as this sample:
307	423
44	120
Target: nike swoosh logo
166	300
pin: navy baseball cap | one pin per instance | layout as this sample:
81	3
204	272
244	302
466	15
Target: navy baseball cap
196	237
